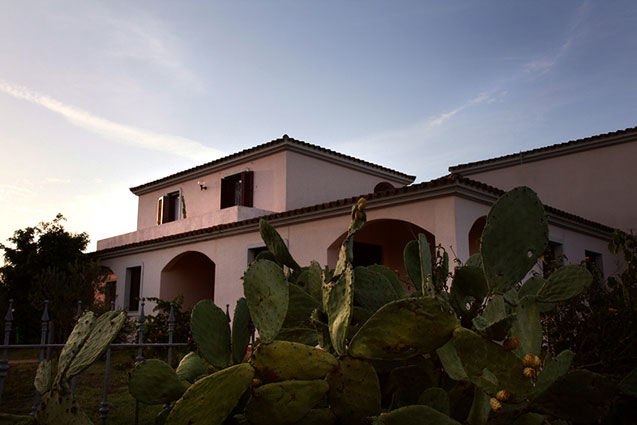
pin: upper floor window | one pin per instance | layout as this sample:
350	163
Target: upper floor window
168	207
237	189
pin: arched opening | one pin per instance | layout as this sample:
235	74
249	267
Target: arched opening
383	187
475	234
381	242
107	286
191	274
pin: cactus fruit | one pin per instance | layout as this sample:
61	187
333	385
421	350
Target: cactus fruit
354	390
211	332
361	204
143	383
211	399
496	406
508	255
529	372
511	343
267	294
405	328
284	402
503	395
282	360
531	360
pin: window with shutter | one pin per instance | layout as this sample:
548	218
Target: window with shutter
237	189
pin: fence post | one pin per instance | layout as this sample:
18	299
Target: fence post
45	326
107	366
4	363
78	314
140	349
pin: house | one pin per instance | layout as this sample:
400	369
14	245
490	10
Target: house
197	230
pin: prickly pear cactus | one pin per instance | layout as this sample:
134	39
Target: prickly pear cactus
211	332
144	379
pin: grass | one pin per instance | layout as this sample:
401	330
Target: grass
18	394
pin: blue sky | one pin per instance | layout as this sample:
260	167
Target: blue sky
96	97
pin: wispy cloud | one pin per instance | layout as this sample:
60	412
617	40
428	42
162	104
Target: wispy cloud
114	131
440	119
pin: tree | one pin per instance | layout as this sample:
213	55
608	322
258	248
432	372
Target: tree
46	262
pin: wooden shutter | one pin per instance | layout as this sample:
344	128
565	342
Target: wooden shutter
160	210
247	188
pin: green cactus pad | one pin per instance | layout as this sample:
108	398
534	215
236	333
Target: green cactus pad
477	354
306	336
282	360
531	287
579	396
300	308
103	332
531	419
211	399
276	246
155	382
405	328
415	415
417	257
451	362
284	402
354	390
480	408
514	237
469	287
372	290
74	343
211	332
565	283
42	380
494	322
9	419
338	301
475	260
553	370
628	385
322	416
267	294
527	327
391	276
240	331
314	281
191	367
436	398
55	408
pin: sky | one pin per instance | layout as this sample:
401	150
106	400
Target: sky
97	97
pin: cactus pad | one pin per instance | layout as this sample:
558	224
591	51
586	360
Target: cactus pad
391	276
372	290
300	308
338	300
211	332
405	328
211	399
267	295
282	360
103	331
565	283
451	362
436	398
354	390
553	370
323	416
508	255
415	415
477	354
74	343
417	257
42	380
284	402
155	382
527	327
240	331
191	367
276	246
55	408
469	287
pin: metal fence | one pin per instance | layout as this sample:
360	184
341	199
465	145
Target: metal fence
45	346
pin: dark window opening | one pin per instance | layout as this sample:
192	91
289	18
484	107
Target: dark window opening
593	261
237	189
168	207
254	252
134	278
366	254
553	258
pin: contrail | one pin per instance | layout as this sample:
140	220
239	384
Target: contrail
117	132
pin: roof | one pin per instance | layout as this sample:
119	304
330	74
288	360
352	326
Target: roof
283	143
452	183
592	142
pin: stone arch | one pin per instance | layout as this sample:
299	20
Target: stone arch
475	234
383	187
384	240
191	274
